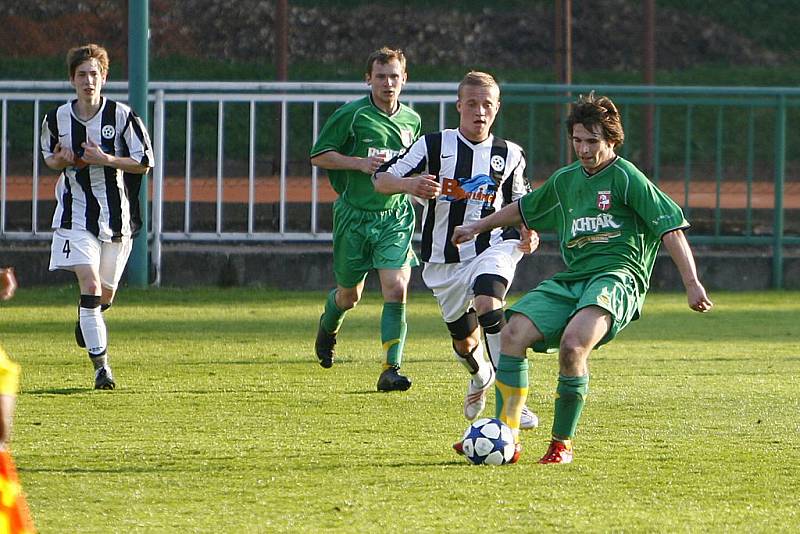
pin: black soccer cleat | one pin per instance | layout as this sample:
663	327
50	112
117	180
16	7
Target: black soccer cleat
391	380
103	379
324	347
79	335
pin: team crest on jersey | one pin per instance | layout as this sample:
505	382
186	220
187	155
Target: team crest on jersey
108	132
406	137
604	200
498	163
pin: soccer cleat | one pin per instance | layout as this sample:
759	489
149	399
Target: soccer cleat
475	400
559	452
324	347
391	380
528	419
103	379
79	335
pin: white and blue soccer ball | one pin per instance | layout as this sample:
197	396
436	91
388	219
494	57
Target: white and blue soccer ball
488	441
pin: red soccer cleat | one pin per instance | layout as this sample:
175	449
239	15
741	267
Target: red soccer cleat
559	452
458	446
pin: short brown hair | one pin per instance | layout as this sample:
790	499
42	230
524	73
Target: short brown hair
591	110
383	56
79	54
478	79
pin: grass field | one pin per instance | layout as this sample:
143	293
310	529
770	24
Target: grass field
223	422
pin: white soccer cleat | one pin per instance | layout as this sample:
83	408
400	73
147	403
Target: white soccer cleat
475	400
528	419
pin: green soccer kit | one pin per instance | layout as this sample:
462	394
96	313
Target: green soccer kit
370	230
609	227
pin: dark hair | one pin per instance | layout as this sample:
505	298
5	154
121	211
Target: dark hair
79	54
385	55
591	110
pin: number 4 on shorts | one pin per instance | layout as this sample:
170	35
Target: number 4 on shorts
66	250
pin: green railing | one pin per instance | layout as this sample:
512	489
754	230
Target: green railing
725	154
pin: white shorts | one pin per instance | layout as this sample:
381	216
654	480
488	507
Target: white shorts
452	283
79	247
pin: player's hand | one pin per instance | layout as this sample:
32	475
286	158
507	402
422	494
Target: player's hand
371	164
424	186
698	299
93	154
462	234
8	283
64	156
529	240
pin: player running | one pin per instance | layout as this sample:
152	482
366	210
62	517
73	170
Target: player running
469	173
610	220
371	230
97	144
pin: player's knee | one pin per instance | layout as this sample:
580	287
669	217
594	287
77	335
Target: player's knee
572	350
517	336
464	327
395	292
90	301
492	322
347	300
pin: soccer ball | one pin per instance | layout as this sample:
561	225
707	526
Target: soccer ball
488	441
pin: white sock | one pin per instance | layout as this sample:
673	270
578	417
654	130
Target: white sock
93	328
476	365
493	344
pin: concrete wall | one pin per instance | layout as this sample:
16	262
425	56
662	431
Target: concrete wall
309	267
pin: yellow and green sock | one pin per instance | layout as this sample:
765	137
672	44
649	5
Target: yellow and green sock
570	397
511	388
393	332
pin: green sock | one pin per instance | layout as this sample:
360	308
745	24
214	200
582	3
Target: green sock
570	397
393	331
511	389
332	317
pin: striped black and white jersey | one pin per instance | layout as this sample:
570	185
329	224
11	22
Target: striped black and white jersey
477	179
94	198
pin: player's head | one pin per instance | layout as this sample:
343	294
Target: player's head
386	75
595	128
478	103
88	68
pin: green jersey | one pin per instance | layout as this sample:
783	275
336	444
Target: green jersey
607	222
361	129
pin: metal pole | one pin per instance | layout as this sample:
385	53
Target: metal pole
780	175
138	38
649	72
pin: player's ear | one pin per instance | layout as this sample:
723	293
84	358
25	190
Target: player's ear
368	78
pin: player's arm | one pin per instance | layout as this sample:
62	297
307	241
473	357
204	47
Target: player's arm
93	154
419	185
508	216
333	160
60	159
681	254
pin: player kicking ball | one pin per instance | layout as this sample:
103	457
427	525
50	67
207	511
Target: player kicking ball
610	220
94	142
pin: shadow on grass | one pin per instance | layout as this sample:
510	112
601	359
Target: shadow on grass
58	391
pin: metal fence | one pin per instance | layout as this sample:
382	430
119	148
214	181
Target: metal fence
232	158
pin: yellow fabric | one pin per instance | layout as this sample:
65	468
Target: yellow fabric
511	400
9	375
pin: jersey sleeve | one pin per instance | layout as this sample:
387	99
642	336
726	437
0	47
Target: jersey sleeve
539	208
412	161
520	186
49	138
137	140
336	133
658	211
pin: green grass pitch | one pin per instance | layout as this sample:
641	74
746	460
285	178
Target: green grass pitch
224	422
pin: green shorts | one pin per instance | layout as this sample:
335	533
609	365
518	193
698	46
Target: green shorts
365	240
551	305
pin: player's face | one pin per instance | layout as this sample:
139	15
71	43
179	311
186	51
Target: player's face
477	107
591	147
88	81
386	81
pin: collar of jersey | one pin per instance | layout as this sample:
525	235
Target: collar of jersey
99	110
601	171
488	140
392	114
